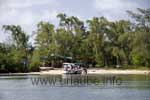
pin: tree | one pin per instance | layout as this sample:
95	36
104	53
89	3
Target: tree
20	39
20	42
98	39
75	31
101	43
45	39
141	41
120	35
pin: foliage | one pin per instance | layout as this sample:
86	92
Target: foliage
102	43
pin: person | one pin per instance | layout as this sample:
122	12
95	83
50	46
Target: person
84	71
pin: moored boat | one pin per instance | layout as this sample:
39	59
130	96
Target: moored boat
73	68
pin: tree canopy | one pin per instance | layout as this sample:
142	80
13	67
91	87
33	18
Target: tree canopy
97	42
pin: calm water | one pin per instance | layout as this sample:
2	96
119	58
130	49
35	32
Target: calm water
98	87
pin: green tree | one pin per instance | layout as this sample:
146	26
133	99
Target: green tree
75	31
20	43
98	39
141	41
45	39
120	35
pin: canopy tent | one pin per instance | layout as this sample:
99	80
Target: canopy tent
56	57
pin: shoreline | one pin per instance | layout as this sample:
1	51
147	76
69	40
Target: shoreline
90	71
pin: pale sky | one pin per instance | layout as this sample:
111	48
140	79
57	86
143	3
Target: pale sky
28	13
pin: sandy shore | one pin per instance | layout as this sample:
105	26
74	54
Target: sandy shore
115	71
101	71
90	71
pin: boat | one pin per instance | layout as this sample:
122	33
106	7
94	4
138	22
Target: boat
73	68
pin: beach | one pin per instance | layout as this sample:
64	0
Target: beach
59	71
101	71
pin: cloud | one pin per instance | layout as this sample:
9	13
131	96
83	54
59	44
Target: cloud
116	9
27	13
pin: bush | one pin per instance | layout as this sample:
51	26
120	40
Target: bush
35	62
34	67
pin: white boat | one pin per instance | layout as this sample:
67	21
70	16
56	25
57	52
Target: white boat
72	68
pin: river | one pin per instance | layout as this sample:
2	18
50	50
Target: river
76	87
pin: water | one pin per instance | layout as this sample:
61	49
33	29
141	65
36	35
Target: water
106	87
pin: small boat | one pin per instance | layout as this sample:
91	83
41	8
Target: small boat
72	68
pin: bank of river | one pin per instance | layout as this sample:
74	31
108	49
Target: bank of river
59	71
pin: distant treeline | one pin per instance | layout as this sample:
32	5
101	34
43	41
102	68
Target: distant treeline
98	42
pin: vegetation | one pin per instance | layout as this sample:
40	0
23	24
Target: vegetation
102	43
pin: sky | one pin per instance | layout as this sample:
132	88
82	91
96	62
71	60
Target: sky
28	13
